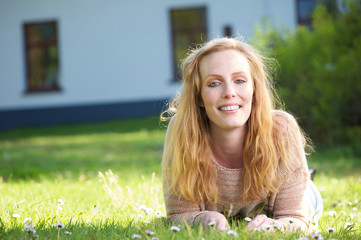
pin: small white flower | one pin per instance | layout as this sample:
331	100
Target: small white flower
266	227
291	221
158	213
28	220
143	207
349	203
343	213
348	225
59	225
232	233
330	229
342	204
154	238
175	228
331	213
134	236
28	228
314	227
68	233
16	215
356	201
149	211
276	226
60	208
212	224
149	233
60	202
354	209
248	219
352	215
317	236
140	216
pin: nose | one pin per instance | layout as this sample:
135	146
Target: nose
228	91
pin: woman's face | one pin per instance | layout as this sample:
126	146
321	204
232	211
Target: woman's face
227	89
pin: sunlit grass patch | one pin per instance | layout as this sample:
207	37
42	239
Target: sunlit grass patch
103	181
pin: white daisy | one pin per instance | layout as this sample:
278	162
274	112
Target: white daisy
248	219
232	233
175	228
135	236
149	233
59	225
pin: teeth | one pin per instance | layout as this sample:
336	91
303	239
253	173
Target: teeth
229	108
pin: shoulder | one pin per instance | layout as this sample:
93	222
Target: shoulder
291	138
284	122
169	123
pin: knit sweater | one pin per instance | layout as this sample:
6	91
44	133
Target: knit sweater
289	206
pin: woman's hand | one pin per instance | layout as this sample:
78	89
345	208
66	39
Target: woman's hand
215	219
260	221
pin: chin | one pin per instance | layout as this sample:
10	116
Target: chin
234	125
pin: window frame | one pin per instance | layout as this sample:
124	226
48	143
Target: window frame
44	45
304	21
203	30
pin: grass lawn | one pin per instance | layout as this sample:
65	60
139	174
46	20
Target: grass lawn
103	181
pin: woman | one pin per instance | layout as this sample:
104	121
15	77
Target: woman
228	154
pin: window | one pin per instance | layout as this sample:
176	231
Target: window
227	31
42	56
189	27
304	12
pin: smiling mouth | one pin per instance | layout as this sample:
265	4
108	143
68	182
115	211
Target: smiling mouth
229	108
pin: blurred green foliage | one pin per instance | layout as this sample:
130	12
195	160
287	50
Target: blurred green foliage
319	74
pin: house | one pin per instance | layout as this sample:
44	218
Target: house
74	61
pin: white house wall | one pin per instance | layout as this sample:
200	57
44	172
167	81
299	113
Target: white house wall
113	50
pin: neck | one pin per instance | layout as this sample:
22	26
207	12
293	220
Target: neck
227	146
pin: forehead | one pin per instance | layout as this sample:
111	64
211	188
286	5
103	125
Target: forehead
223	62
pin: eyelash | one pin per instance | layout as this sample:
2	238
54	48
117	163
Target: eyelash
214	84
240	80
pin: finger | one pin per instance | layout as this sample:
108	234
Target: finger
267	225
222	225
257	221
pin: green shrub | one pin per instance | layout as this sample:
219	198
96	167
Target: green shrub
319	78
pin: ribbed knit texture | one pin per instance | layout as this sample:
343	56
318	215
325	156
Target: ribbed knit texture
290	206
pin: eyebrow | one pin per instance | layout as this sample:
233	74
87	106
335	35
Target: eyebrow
239	73
220	76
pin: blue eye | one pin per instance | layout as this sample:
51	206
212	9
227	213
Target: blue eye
213	84
238	81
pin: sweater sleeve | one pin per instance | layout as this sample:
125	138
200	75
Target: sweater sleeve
291	207
177	208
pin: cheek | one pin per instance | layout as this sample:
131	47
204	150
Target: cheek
249	94
207	98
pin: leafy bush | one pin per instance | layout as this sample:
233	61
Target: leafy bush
319	78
